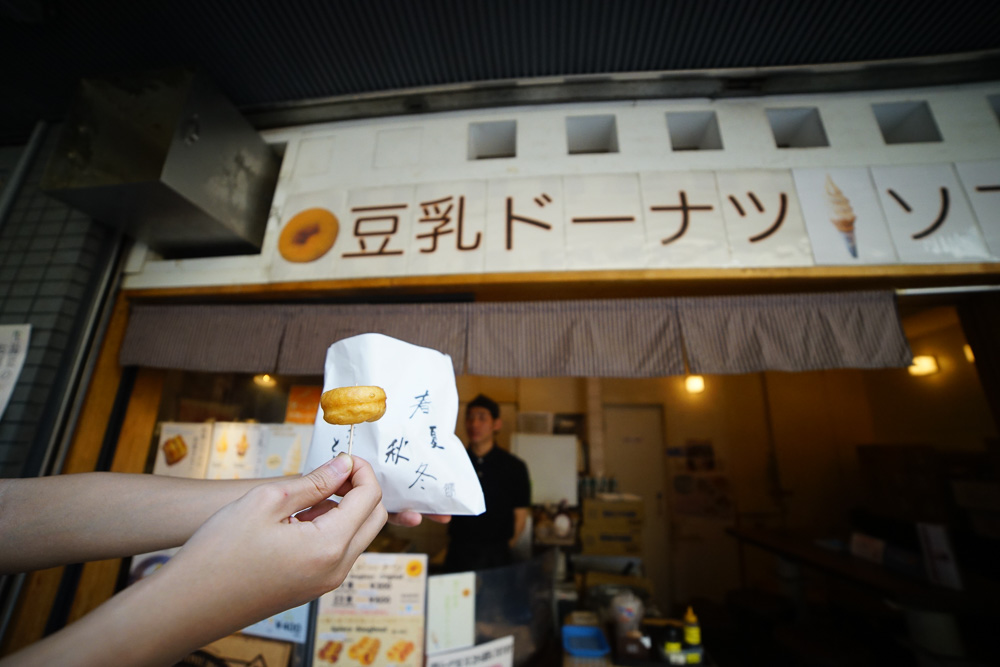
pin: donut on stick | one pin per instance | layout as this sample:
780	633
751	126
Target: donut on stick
352	405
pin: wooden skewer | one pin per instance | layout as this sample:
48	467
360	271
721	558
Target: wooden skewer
350	441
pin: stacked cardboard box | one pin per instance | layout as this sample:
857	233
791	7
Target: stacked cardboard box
612	525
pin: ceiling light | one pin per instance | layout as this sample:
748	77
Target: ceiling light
923	365
264	380
695	384
969	356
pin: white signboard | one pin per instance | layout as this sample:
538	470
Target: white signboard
763	222
844	217
929	217
13	351
235	450
183	450
497	653
451	611
684	225
981	181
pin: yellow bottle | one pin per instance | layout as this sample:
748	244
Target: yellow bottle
692	631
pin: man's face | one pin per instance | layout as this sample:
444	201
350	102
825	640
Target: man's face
480	425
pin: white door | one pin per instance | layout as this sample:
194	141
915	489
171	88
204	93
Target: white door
635	455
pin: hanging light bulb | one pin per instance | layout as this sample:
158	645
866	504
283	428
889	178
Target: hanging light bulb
924	364
695	384
264	380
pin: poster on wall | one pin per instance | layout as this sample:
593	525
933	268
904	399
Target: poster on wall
844	217
183	450
283	448
303	402
928	214
763	220
981	181
376	617
234	452
14	340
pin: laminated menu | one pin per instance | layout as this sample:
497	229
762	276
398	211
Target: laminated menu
419	461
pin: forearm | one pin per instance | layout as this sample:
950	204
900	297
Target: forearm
520	520
73	518
156	621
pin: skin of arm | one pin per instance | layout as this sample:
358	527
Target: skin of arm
52	521
520	519
253	558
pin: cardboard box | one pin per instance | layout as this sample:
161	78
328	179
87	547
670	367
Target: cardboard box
613	511
625	541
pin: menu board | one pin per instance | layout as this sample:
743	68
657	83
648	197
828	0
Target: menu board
235	451
183	450
376	617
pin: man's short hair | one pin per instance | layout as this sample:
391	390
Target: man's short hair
483	401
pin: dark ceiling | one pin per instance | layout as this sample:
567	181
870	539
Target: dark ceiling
265	53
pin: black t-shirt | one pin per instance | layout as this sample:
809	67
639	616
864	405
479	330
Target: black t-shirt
506	486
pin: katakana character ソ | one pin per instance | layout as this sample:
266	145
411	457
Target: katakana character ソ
942	214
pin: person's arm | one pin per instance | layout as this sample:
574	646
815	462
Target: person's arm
51	521
520	519
251	560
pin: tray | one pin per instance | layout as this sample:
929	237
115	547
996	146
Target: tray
584	641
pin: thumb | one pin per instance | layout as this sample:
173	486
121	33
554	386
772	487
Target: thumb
318	485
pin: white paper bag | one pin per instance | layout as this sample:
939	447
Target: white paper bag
419	461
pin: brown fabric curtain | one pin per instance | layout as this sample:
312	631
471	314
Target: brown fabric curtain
592	338
601	338
312	329
798	332
210	338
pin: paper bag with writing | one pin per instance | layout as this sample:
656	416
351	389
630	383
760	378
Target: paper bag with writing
420	462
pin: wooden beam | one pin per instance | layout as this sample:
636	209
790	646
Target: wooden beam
595	284
99	578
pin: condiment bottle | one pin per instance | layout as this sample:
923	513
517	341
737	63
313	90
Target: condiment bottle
692	631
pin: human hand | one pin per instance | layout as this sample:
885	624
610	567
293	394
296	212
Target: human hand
262	554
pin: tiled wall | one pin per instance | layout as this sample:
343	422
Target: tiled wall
50	258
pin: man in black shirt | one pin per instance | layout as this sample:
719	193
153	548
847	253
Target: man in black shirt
484	541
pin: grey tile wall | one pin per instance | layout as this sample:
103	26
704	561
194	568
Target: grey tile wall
50	259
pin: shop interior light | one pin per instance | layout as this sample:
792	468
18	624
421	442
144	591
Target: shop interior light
971	358
264	380
924	364
695	384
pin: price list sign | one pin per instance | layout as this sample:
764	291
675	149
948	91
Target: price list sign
376	617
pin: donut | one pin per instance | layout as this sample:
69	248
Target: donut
353	405
308	235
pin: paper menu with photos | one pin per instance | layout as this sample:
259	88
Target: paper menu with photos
419	461
376	617
235	451
282	449
183	450
451	611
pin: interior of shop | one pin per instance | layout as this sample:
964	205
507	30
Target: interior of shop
823	456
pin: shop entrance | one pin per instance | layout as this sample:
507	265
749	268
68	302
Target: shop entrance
635	455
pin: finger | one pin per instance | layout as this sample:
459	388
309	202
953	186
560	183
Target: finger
368	530
358	503
317	486
406	518
316	510
439	518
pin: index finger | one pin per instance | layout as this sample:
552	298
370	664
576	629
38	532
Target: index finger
360	499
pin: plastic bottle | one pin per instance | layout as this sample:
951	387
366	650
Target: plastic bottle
692	631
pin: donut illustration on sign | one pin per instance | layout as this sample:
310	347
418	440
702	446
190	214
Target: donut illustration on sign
308	235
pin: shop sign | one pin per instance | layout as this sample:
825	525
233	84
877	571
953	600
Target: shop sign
837	216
